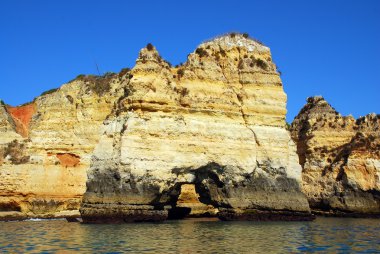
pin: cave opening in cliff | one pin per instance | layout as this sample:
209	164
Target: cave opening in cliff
186	203
200	197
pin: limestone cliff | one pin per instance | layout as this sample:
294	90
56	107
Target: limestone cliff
216	122
340	157
46	145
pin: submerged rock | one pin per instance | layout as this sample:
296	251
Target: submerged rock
340	157
217	122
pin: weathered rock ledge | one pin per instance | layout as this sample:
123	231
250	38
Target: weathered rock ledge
216	122
205	138
340	157
46	146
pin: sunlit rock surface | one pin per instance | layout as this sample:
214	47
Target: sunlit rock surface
217	122
46	146
340	157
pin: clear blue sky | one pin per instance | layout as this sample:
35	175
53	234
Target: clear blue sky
329	48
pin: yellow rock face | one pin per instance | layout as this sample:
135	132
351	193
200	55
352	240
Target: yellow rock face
340	159
43	166
216	122
189	198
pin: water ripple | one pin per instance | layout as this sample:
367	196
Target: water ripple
324	235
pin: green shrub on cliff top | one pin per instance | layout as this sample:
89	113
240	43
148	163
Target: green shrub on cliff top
80	76
124	71
201	52
180	72
149	46
99	84
49	91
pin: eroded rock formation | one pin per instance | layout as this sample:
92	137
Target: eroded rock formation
216	122
340	157
205	137
189	202
46	145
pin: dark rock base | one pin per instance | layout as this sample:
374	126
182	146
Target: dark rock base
263	215
121	214
19	216
343	214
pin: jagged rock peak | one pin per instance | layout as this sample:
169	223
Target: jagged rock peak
340	159
316	105
233	58
150	60
149	52
233	40
215	123
371	118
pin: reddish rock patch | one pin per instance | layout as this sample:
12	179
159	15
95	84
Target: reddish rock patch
68	159
22	115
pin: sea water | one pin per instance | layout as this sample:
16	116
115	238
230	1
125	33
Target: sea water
324	235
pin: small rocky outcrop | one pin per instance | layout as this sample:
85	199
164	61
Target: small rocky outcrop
216	122
340	158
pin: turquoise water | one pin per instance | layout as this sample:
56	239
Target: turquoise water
324	235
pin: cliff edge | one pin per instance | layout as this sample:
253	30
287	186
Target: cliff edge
340	157
46	146
216	122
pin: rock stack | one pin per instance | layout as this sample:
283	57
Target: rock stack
216	122
340	157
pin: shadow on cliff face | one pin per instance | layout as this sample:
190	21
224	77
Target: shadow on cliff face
10	206
210	190
197	198
217	188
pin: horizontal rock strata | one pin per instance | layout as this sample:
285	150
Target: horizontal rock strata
46	146
216	122
188	202
340	157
